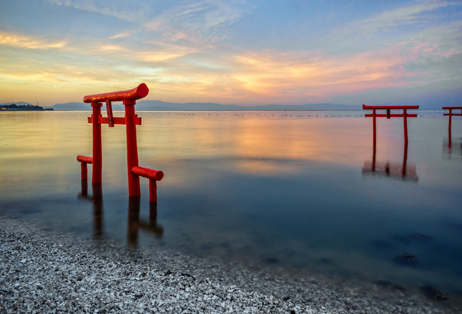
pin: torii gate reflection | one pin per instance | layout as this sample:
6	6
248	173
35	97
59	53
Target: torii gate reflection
391	169
134	222
452	146
97	200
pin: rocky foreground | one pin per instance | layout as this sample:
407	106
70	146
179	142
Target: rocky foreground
48	272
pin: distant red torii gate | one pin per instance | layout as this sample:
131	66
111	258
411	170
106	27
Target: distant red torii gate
131	120
389	115
450	114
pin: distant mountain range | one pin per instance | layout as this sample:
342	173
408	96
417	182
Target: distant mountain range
21	106
156	105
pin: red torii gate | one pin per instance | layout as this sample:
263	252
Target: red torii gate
450	114
131	120
389	115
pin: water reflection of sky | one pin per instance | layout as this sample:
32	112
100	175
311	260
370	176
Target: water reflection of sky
292	189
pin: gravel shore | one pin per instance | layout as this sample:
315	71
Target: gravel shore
49	272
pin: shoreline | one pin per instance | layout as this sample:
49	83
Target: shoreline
44	270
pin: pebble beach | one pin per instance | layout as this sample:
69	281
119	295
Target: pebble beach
44	271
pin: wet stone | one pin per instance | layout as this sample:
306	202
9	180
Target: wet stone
47	272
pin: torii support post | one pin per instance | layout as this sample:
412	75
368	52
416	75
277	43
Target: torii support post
389	115
84	160
153	176
97	174
97	159
131	120
132	148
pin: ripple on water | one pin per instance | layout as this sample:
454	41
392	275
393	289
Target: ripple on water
406	259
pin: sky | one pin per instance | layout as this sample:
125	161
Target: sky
253	52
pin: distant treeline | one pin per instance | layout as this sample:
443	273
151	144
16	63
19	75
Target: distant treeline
29	107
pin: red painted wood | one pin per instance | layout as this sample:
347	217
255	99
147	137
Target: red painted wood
131	120
132	94
405	126
450	122
153	176
116	120
390	107
97	169
85	159
393	115
450	114
389	115
132	149
148	173
374	124
152	191
110	118
83	171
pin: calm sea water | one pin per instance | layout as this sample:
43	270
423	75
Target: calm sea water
295	189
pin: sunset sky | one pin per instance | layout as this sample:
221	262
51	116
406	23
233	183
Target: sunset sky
240	52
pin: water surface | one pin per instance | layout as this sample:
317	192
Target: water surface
305	190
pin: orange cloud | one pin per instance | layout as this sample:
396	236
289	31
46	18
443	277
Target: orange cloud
317	76
160	56
28	42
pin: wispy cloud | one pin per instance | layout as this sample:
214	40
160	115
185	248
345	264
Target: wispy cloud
404	23
207	14
401	16
127	10
193	22
28	42
159	56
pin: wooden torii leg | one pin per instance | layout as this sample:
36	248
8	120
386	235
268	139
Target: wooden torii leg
132	149
374	124
450	119
449	128
97	169
405	126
